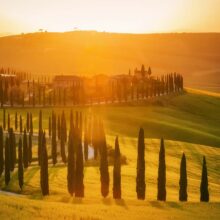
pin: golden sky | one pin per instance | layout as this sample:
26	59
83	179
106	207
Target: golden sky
131	16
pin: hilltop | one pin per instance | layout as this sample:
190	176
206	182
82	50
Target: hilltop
195	55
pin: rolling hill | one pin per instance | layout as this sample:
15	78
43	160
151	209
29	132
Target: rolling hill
196	56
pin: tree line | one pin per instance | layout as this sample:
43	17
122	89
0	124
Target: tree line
20	89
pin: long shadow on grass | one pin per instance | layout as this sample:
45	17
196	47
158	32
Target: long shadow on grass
107	201
121	202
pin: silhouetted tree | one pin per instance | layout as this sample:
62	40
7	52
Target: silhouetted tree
86	141
183	180
44	168
117	172
79	186
40	121
104	174
27	122
16	121
12	147
30	148
4	119
1	151
20	165
31	124
25	150
49	127
140	179
71	165
204	191
40	134
9	121
7	162
21	127
161	180
54	141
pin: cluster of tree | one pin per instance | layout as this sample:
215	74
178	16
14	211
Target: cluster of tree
9	155
21	89
77	153
161	180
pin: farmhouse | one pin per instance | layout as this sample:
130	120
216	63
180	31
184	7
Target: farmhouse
65	81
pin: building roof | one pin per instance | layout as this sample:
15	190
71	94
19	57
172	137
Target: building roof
66	78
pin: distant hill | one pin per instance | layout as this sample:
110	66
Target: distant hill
196	56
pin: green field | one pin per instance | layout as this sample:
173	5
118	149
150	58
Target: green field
189	123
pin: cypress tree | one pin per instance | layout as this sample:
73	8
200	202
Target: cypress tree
183	180
40	120
58	127
4	119
104	174
20	165
1	152
161	180
21	127
27	122
117	172
30	148
49	127
12	147
204	191
140	179
31	124
16	121
54	142
44	167
7	162
63	138
25	150
71	165
40	134
79	186
9	121
86	142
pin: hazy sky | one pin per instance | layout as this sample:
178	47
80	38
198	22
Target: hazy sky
136	16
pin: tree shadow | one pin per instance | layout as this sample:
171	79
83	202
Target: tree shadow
157	204
107	201
77	200
121	202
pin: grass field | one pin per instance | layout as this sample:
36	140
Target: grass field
187	122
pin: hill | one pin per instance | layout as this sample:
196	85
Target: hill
196	56
192	117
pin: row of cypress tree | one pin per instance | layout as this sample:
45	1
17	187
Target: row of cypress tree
161	180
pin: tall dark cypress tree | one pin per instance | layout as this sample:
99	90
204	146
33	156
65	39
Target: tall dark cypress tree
86	141
21	126
117	172
31	124
1	152
161	180
9	121
16	121
4	119
44	167
49	126
20	165
30	148
7	162
54	140
79	186
25	150
62	138
58	127
183	180
11	149
40	134
28	122
40	121
104	174
140	179
71	165
204	191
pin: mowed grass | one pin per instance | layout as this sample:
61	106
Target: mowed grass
188	118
